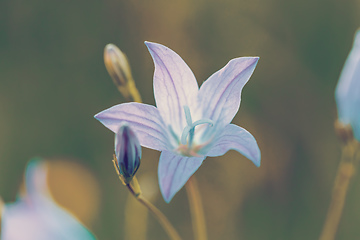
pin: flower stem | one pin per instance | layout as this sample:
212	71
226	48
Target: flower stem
134	92
196	209
136	220
135	190
164	222
345	172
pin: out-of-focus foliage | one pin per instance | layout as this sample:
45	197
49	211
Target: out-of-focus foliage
53	80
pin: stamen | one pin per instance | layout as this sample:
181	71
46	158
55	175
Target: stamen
187	115
203	121
184	134
190	128
191	136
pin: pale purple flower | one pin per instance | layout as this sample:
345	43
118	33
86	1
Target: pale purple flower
347	93
188	124
35	216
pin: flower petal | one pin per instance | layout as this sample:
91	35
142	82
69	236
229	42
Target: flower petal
41	220
144	119
36	179
174	171
236	138
175	85
37	215
220	95
347	91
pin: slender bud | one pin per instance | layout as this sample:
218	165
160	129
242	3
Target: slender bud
127	153
118	67
347	93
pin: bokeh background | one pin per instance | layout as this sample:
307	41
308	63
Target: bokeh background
53	80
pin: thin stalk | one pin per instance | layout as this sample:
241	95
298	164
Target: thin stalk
135	190
136	220
134	92
344	175
196	209
164	222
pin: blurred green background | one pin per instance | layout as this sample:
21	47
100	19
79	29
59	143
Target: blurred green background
53	80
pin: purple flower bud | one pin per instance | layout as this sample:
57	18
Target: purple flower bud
127	152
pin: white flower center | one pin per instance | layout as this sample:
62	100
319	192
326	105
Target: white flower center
186	146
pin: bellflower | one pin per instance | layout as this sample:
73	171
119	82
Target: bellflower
35	216
127	152
188	123
347	93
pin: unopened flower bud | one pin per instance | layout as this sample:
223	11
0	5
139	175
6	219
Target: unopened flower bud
118	67
347	93
127	152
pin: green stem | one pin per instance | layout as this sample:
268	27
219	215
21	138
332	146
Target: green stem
344	175
164	222
196	209
134	92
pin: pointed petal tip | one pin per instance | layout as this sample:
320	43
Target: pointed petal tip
255	59
253	157
249	62
174	171
167	196
168	199
98	116
257	163
257	158
149	45
357	37
156	47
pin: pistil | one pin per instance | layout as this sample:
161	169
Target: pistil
189	130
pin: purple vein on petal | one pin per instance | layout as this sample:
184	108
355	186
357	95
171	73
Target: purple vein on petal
170	99
174	84
226	90
144	118
225	87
